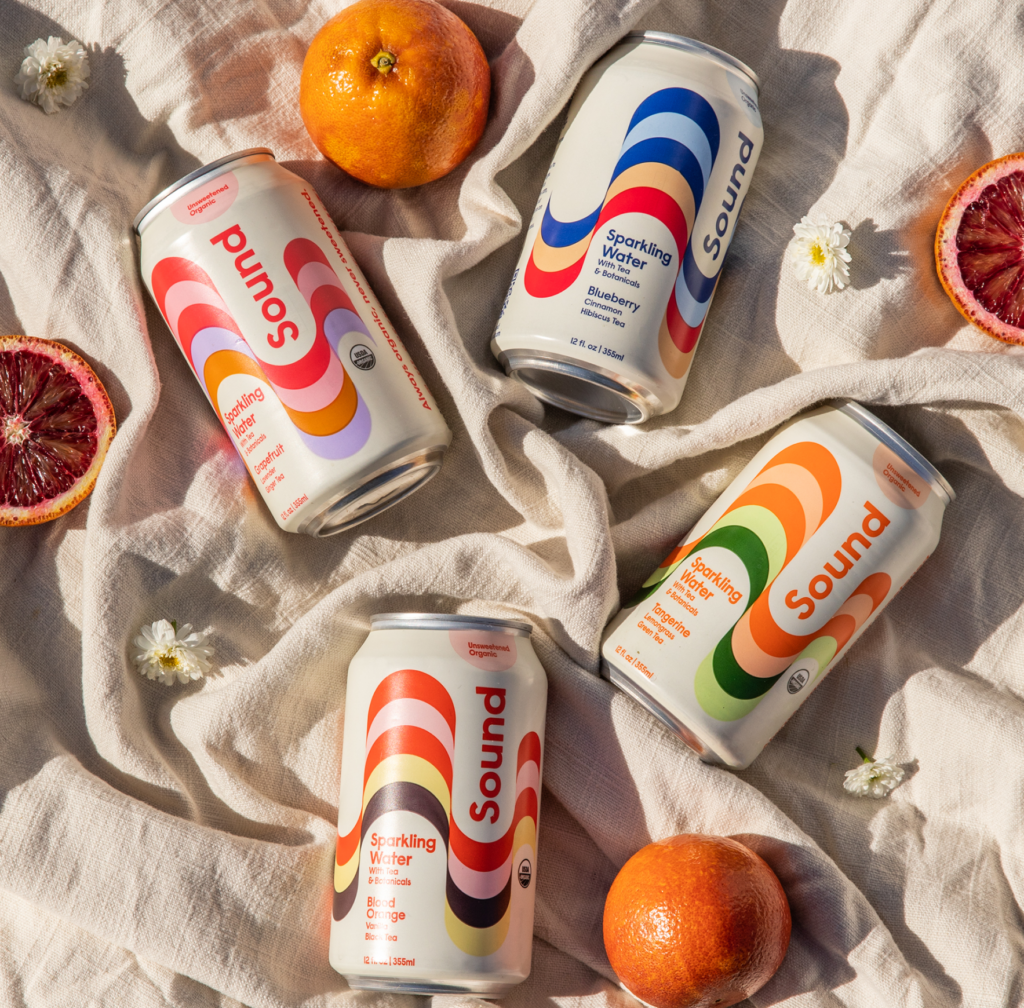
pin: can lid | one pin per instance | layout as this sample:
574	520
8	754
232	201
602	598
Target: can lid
447	621
193	176
702	48
901	447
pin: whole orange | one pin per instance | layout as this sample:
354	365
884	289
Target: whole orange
695	921
395	92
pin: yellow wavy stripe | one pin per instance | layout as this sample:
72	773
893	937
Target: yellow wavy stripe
526	833
343	874
477	941
551	259
676	362
415	770
653	175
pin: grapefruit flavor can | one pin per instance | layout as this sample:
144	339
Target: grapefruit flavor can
294	352
771	587
436	867
628	238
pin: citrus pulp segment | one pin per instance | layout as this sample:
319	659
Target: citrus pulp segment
979	248
56	423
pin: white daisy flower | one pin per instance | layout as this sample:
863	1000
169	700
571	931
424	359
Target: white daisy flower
52	73
164	652
818	254
874	778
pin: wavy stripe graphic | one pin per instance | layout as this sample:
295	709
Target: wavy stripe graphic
775	515
663	169
410	739
315	391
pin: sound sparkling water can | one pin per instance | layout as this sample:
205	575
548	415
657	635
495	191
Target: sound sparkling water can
773	585
295	354
435	874
626	244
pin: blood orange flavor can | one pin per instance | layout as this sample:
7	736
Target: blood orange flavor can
627	241
295	354
774	584
436	867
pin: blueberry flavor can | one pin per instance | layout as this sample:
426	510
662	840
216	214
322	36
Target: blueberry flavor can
294	352
743	619
628	238
436	868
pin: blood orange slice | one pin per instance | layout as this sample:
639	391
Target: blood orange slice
979	248
55	425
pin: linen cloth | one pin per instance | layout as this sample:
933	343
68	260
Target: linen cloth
173	846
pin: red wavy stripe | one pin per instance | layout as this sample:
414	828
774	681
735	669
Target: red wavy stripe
683	336
653	202
325	299
302	373
639	199
202	316
416	685
348	844
542	284
300	251
488	856
529	749
412	741
172	270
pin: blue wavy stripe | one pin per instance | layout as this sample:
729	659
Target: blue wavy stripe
557	234
661	150
700	287
674	127
684	102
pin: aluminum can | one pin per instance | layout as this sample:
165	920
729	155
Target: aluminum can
628	238
436	867
771	587
295	354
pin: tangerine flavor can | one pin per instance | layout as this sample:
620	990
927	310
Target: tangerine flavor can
774	584
436	867
628	238
295	354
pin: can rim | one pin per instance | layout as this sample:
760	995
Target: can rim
692	45
446	621
193	176
900	445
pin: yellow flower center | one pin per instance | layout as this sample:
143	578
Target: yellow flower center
817	254
56	76
170	660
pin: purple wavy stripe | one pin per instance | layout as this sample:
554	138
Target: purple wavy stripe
348	440
339	323
209	341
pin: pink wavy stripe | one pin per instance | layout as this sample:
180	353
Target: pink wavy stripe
314	275
807	489
528	776
189	292
416	713
859	606
483	885
479	884
318	395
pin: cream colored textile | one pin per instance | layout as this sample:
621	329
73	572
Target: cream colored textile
173	846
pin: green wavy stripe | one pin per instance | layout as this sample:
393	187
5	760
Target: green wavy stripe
822	650
767	528
732	677
713	699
